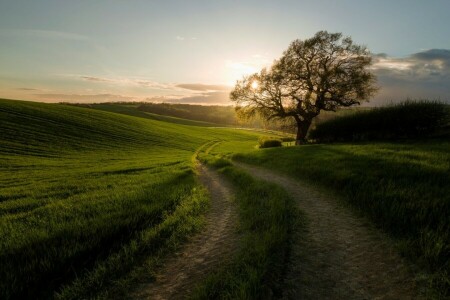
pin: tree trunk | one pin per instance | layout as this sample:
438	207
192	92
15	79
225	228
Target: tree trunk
302	130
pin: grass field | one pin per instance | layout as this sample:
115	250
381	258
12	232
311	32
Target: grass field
84	193
403	187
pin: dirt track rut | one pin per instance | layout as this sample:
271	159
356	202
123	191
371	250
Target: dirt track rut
338	255
205	251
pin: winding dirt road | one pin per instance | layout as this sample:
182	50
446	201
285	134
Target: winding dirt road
338	255
205	251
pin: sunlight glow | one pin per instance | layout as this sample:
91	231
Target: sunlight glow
254	84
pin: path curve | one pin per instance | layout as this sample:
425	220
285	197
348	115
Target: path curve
338	255
205	251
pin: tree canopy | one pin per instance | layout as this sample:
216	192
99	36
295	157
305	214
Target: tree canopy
324	72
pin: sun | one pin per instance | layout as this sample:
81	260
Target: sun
254	84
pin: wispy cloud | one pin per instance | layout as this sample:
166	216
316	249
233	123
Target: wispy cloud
205	94
153	84
129	82
26	89
96	79
210	98
203	87
182	87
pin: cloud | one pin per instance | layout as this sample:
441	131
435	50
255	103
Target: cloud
433	54
153	84
425	63
77	98
26	89
190	87
98	79
421	75
202	87
129	82
392	64
210	98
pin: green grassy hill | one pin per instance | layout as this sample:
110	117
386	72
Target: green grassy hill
84	193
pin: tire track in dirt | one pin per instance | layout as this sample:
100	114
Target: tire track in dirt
205	252
338	255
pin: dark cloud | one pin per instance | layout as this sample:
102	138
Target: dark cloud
98	98
433	54
203	87
422	75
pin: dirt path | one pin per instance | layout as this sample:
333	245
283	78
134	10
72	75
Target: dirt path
205	251
342	257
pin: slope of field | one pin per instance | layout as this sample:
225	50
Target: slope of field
402	187
132	110
84	192
223	115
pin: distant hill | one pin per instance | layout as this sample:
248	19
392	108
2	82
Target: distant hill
133	110
223	115
207	115
186	114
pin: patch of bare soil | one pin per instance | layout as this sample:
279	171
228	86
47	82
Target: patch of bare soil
204	252
338	255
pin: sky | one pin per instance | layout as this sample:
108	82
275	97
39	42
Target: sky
194	51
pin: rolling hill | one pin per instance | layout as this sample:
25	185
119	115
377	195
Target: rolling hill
84	192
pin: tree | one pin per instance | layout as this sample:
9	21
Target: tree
324	72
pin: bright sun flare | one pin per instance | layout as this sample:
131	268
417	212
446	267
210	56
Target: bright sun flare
254	84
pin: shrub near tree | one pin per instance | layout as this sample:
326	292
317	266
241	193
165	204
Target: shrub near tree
324	72
268	142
